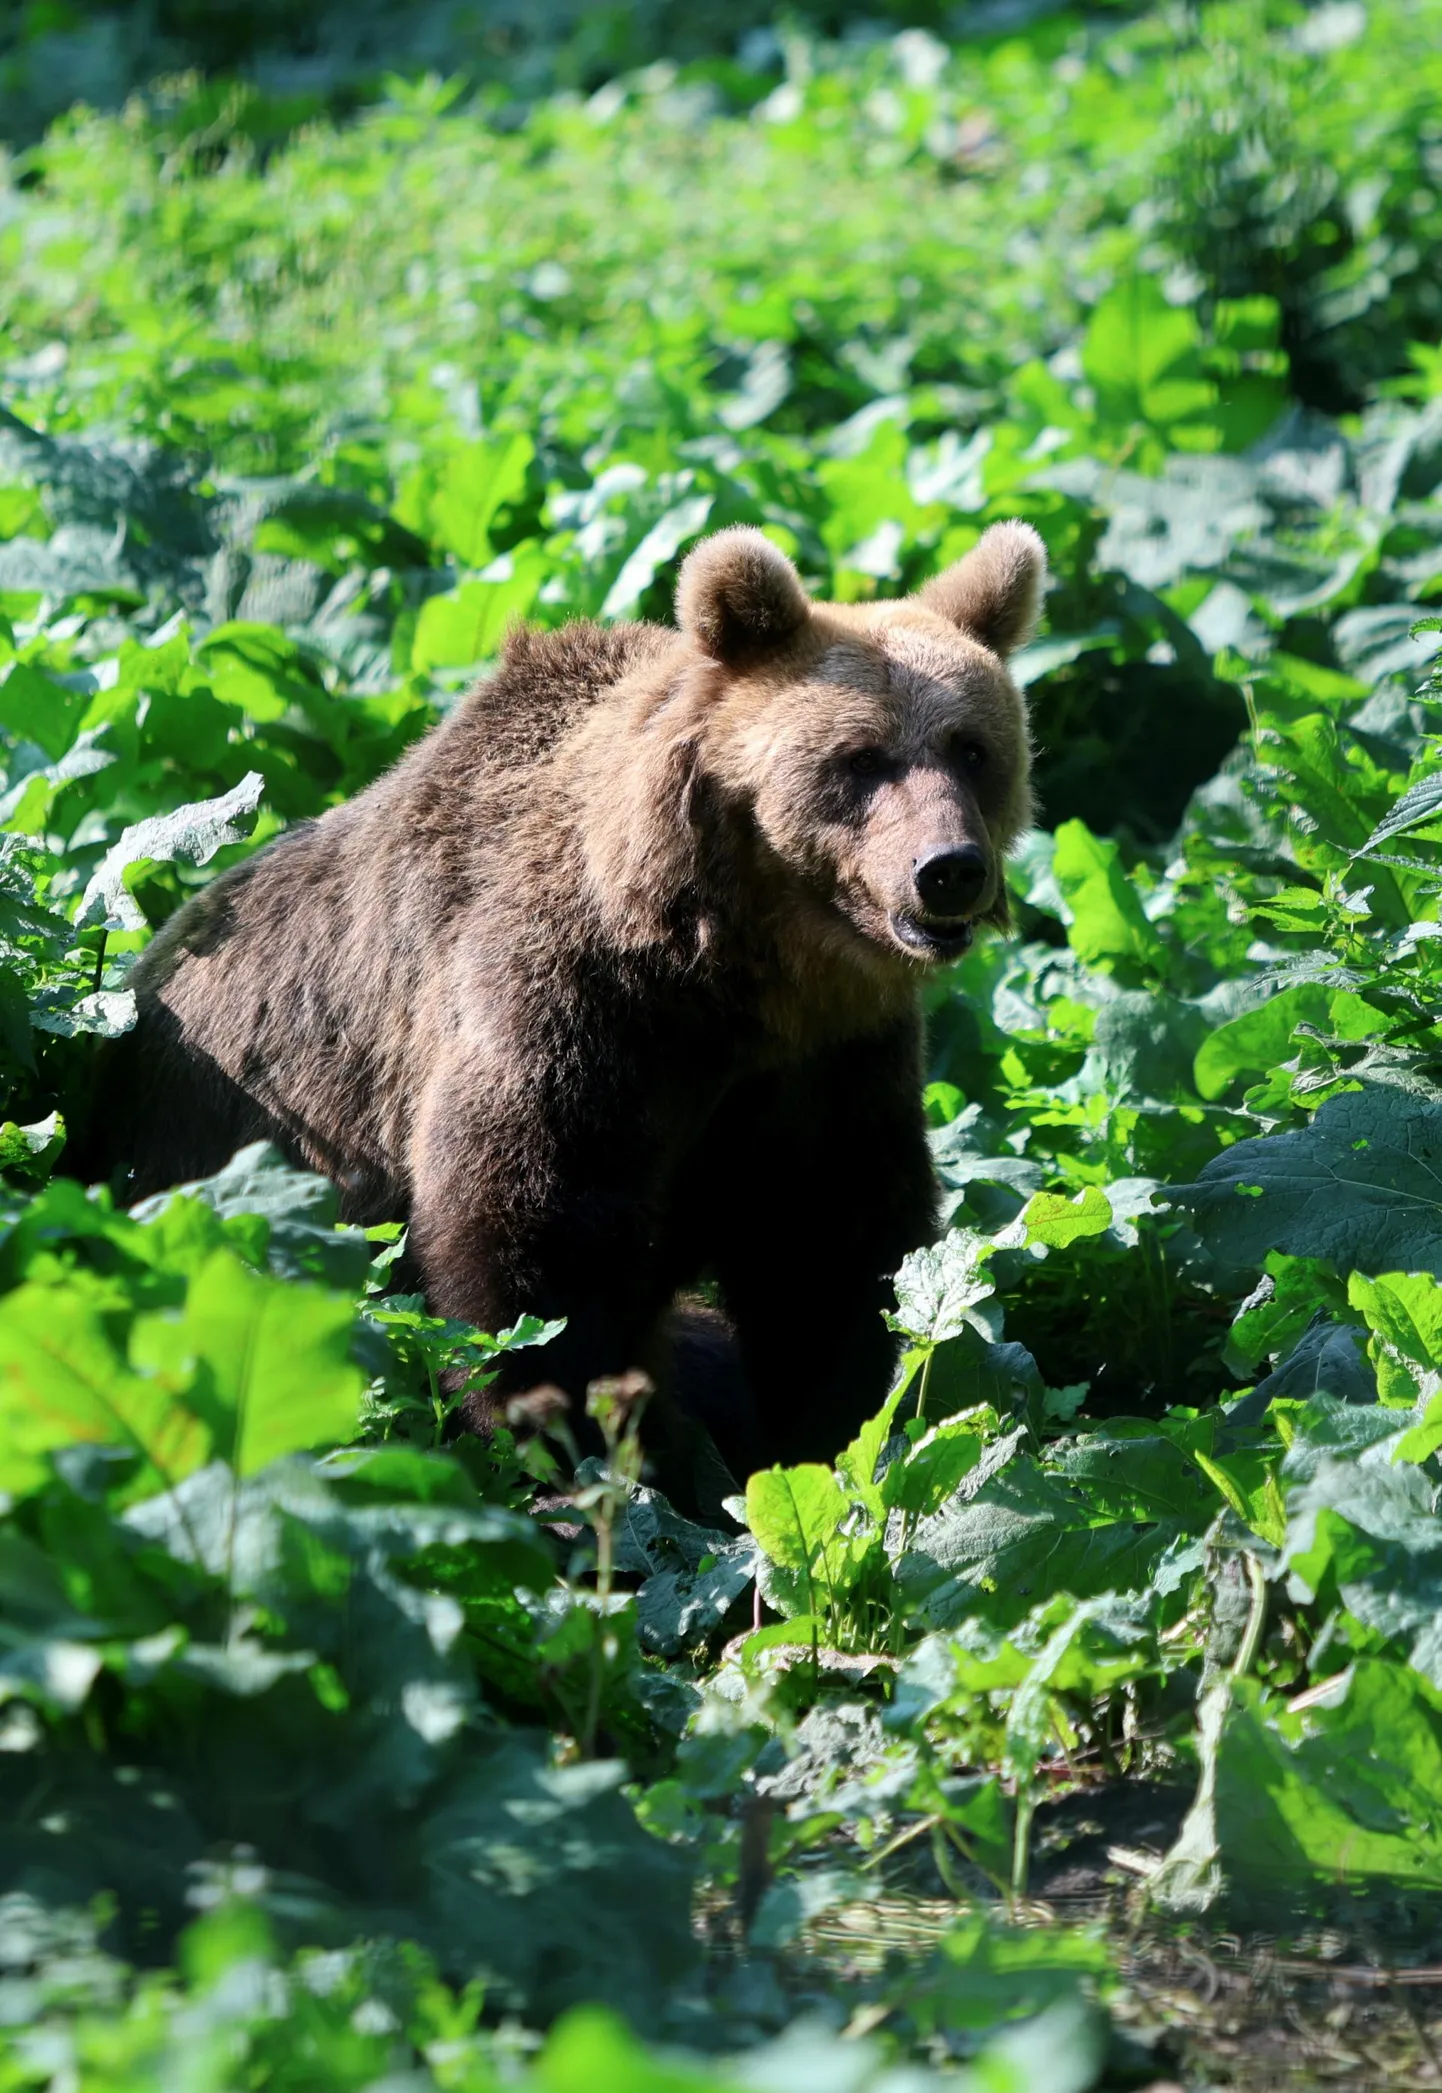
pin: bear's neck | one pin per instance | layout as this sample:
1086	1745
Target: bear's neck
808	980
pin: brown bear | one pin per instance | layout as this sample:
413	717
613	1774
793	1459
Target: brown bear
612	983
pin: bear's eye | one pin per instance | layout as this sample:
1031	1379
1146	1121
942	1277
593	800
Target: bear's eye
865	763
970	755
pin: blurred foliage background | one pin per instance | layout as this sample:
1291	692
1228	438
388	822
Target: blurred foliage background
327	53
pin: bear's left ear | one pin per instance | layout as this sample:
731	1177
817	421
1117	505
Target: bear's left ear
995	592
738	596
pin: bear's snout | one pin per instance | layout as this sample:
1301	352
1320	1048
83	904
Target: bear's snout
950	883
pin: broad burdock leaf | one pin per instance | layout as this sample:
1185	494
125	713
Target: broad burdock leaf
857	1463
192	834
106	1012
1360	1186
468	625
1339	1786
1057	1222
1367	1534
800	1518
691	1575
290	1217
928	1473
656	550
267	1362
940	1290
1328	1359
64	1382
34	707
1143	357
1109	924
1255	1041
1289	1296
455	502
545	1886
678	1607
1403	1311
1019	1538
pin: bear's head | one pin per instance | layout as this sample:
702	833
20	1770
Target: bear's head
877	753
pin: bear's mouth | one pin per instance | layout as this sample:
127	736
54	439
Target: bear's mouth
932	937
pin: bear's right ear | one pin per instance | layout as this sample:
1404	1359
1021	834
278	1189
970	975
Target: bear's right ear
994	593
738	596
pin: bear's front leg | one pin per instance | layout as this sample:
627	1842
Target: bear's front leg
523	1204
817	1184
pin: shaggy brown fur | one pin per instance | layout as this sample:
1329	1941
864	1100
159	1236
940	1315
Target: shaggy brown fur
612	981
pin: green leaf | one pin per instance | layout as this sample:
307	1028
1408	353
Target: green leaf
286	1217
1360	1186
924	1477
1059	1222
63	1382
1142	355
656	550
1405	1310
1340	1789
268	1360
259	668
857	1464
1102	1643
191	834
454	505
33	707
1367	1536
943	1289
29	1148
982	1970
1272	1319
1259	1039
1108	922
551	1888
796	1515
1248	1483
1020	1538
1420	803
469	624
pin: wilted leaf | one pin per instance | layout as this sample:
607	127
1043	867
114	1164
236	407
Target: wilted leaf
192	833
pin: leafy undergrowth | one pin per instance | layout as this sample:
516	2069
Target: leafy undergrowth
325	1761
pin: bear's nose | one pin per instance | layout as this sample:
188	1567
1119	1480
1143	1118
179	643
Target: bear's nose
950	881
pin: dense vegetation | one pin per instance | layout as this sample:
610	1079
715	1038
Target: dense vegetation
324	1762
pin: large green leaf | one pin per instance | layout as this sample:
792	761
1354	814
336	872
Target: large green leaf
63	1381
1361	1185
456	502
1108	921
1258	1039
268	1362
1341	1791
797	1516
1017	1539
1141	355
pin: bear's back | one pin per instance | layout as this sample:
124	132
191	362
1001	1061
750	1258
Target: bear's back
545	681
